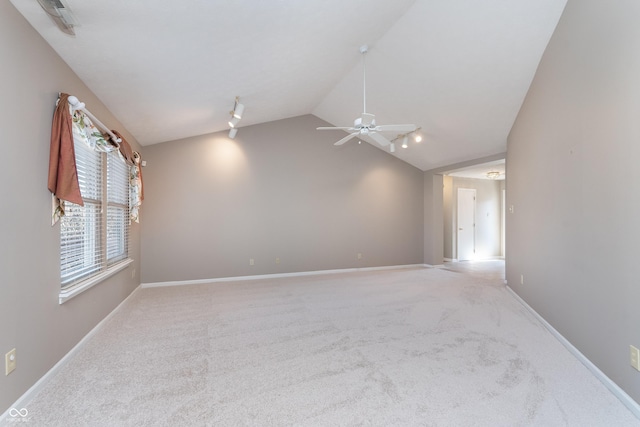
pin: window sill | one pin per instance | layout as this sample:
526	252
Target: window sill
67	294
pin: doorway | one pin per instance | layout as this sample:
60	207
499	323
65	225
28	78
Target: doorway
466	224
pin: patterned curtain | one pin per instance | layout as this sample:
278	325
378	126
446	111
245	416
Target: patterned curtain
69	125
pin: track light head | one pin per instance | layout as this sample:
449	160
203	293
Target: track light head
237	112
233	132
405	141
392	147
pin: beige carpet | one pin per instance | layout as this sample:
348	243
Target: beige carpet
395	348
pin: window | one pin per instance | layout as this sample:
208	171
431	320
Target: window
117	208
94	237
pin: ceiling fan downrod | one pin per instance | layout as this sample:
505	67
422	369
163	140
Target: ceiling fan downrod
363	50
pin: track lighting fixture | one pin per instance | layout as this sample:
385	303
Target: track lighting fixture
238	110
236	115
405	139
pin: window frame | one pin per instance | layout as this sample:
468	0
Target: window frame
106	266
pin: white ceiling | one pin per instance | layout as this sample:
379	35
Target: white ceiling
459	69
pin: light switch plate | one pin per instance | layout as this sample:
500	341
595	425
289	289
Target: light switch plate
10	362
635	357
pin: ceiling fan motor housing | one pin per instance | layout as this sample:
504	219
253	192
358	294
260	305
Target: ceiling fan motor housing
365	121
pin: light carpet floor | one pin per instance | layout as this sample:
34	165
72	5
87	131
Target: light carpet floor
424	347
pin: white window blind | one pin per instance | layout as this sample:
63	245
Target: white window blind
117	208
95	235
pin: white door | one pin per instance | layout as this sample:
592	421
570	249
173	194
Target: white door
466	223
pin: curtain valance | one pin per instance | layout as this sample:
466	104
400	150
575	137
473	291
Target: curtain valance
71	124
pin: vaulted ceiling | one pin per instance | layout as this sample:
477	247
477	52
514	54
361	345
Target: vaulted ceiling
459	69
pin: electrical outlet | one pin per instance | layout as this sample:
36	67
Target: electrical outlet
635	357
133	273
359	255
251	261
10	362
511	209
277	260
522	279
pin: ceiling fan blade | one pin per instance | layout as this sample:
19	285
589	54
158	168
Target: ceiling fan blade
334	128
396	128
379	139
346	138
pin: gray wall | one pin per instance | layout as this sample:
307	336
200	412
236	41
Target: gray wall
433	219
447	206
574	182
488	214
279	190
31	320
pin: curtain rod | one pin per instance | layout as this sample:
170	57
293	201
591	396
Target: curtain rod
77	105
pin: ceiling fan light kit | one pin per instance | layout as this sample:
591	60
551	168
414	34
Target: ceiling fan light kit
365	125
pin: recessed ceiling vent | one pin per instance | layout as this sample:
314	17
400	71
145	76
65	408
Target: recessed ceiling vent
61	14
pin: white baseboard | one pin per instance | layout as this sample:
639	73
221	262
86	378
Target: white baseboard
614	388
29	394
487	258
276	275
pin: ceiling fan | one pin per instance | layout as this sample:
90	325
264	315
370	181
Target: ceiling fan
365	125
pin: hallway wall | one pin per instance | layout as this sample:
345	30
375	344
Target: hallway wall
573	234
